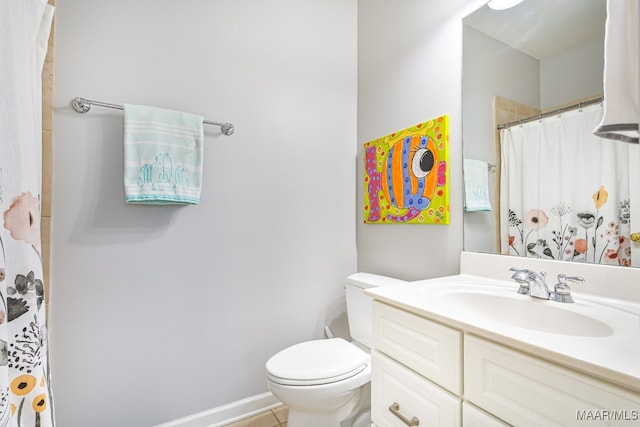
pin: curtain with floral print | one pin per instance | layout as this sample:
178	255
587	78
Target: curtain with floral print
25	394
564	192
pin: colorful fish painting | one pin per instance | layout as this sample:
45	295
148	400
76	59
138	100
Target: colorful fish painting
405	175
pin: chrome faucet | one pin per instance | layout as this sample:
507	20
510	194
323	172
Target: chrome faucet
531	283
522	278
534	284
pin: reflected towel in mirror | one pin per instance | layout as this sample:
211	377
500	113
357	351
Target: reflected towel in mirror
476	186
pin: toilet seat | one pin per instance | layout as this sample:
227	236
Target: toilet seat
317	362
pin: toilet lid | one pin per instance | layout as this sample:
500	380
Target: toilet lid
316	362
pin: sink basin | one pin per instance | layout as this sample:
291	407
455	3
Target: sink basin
525	312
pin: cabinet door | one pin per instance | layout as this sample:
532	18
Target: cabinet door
397	393
527	391
429	348
474	417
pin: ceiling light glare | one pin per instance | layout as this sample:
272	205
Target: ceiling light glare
503	4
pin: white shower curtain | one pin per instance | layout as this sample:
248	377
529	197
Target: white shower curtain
565	192
25	396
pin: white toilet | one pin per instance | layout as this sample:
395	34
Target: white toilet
326	383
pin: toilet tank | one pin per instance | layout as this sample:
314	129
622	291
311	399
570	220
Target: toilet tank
359	305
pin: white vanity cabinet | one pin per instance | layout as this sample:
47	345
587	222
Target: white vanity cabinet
413	359
429	348
526	390
417	380
475	417
400	397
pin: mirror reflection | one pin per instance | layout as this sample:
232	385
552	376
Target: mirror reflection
541	58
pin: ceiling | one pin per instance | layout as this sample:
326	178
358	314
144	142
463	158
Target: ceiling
541	28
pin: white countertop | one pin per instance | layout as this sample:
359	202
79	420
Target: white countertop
614	358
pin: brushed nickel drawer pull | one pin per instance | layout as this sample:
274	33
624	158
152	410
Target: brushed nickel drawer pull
395	410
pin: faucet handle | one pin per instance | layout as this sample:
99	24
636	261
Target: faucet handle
562	291
574	279
520	273
522	277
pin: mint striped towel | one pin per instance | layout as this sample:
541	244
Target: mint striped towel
163	152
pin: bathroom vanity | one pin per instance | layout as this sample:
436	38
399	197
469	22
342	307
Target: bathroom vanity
470	351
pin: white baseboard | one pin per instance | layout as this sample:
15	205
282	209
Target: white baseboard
229	413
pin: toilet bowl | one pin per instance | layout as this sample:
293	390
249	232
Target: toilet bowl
321	381
326	383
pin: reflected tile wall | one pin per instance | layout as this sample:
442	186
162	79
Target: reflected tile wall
48	82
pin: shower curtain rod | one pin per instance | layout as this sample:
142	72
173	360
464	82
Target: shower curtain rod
552	113
83	105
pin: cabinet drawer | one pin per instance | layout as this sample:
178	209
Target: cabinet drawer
523	390
474	417
429	348
392	383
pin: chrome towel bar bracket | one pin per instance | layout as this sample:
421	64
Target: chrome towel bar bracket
83	105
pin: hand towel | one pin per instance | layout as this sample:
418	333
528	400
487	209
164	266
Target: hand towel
476	185
621	69
162	156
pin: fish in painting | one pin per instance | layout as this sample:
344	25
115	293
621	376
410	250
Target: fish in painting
404	177
411	175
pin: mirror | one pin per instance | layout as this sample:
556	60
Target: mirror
544	54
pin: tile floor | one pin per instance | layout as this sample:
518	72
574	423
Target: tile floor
276	417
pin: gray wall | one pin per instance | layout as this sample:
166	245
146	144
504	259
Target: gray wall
161	312
409	71
573	74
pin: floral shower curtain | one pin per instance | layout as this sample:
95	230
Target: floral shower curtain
25	397
565	192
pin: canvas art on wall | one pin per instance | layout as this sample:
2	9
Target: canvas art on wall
405	175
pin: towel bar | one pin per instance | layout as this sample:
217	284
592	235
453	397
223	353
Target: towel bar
83	105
